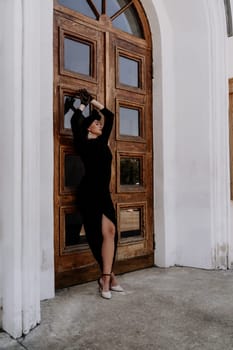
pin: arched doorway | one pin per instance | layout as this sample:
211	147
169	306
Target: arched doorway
106	47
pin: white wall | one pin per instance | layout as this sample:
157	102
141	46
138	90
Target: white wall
163	132
202	163
192	170
1	148
1	112
190	142
46	150
230	75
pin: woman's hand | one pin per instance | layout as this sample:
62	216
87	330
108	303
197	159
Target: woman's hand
85	96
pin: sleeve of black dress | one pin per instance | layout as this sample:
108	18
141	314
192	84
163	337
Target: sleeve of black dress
108	123
79	132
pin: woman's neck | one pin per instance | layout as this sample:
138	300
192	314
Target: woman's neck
91	136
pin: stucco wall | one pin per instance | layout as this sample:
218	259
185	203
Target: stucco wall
230	75
46	150
191	161
1	144
190	137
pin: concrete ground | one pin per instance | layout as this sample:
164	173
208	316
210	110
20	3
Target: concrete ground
161	309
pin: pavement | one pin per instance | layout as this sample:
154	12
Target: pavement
161	309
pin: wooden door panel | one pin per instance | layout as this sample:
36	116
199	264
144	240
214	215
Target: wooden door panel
72	255
133	196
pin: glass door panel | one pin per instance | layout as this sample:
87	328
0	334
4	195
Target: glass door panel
74	171
74	231
130	171
129	70
130	223
129	121
77	57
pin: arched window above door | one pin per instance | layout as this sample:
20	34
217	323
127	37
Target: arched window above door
122	13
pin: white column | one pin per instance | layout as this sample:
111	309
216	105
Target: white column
20	175
46	150
11	166
219	135
31	165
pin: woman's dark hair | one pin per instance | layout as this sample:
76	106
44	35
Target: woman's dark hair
93	116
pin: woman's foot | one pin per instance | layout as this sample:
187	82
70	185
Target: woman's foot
114	286
104	284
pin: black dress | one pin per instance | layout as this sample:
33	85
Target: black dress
93	194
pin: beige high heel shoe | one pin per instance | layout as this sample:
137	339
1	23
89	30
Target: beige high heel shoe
104	294
116	288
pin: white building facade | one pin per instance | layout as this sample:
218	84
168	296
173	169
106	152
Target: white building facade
193	211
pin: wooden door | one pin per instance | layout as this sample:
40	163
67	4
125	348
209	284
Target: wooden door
113	61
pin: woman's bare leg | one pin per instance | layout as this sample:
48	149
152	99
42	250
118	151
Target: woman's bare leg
108	246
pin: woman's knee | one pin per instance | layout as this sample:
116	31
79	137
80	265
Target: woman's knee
109	232
108	228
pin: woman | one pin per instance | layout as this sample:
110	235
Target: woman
91	143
